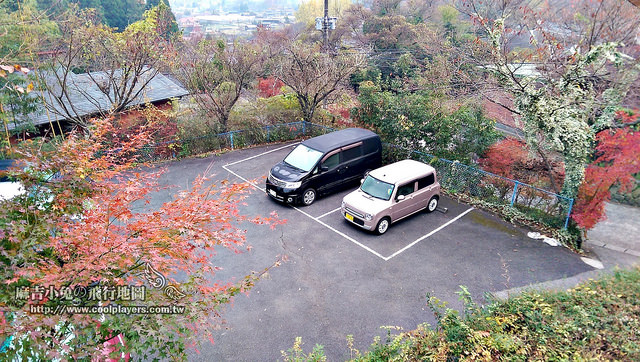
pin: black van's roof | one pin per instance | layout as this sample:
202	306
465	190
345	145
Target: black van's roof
333	140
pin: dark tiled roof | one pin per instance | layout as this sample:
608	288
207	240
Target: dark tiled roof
87	98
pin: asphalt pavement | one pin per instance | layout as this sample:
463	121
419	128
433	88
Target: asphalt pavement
340	280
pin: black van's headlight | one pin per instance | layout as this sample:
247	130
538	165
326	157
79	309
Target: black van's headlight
292	185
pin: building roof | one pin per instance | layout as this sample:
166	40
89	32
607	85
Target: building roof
333	140
401	171
87	98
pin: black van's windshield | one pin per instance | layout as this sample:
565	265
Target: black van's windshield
303	158
376	188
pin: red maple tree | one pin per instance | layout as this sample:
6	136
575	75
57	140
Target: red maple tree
617	160
92	228
269	87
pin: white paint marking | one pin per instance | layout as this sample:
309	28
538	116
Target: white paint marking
327	213
592	262
261	154
429	234
345	236
244	179
330	227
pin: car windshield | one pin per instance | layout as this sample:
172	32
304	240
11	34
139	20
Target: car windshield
303	158
376	188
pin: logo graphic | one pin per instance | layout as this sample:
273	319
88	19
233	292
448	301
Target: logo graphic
158	281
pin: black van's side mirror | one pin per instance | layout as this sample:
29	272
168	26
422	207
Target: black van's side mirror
324	168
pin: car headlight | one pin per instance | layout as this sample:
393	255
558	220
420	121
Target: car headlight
368	217
292	185
342	205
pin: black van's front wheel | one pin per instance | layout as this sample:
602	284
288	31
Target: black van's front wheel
308	197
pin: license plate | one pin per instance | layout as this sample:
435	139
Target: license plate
349	217
273	193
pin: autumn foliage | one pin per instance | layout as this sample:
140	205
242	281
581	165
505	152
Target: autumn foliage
617	160
93	226
510	158
269	87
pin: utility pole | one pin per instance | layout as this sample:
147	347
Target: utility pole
325	24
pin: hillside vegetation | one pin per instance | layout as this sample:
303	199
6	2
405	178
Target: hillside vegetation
597	320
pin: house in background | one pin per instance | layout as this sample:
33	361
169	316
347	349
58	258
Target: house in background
91	95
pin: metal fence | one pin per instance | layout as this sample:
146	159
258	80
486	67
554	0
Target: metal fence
230	140
455	177
460	179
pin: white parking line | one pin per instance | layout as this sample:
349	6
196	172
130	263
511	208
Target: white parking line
327	213
244	179
344	235
313	218
317	219
429	234
261	154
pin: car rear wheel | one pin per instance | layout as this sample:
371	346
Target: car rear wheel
383	225
433	204
308	197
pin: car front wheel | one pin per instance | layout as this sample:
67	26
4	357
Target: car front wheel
383	225
308	197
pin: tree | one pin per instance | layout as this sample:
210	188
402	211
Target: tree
415	120
616	161
90	233
510	158
309	10
116	14
269	87
217	73
585	24
16	102
313	75
563	109
21	26
118	65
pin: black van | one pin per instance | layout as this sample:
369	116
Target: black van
322	164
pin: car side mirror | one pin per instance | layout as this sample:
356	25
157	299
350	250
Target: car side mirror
400	198
324	168
361	181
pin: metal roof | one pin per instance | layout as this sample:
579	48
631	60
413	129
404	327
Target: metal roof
401	171
333	140
88	99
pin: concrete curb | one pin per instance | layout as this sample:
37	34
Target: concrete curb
551	285
613	247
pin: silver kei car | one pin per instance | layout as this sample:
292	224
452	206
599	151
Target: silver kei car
391	193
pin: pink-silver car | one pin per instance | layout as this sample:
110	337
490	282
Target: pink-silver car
391	193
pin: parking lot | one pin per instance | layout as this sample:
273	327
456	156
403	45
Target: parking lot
342	280
404	234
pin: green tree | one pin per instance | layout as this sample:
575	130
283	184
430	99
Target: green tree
416	120
23	29
17	103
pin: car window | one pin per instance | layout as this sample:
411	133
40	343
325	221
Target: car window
370	146
405	189
426	181
303	158
332	161
351	153
376	188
